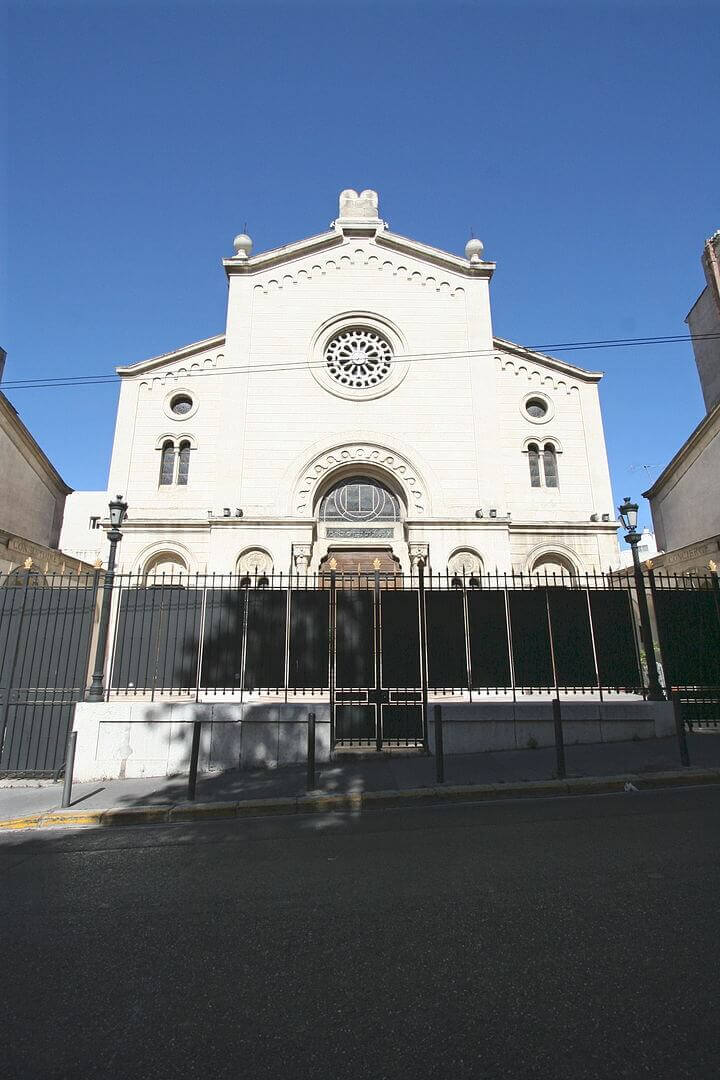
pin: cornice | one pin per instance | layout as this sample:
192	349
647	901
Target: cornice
703	434
171	357
435	256
384	240
522	352
29	448
266	260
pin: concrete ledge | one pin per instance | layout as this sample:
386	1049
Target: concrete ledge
358	801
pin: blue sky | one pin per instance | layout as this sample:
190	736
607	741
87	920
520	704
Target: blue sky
578	140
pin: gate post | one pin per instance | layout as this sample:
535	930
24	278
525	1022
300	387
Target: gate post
96	692
654	689
423	650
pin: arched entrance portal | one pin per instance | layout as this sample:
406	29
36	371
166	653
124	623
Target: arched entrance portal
359	518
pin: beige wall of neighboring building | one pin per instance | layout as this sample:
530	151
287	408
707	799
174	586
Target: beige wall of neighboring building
685	498
32	493
704	324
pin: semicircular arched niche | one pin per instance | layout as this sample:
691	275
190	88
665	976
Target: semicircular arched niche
358	456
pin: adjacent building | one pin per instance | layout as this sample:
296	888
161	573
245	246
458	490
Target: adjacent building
358	410
685	498
32	496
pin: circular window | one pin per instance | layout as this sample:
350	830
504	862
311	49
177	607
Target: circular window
181	404
537	407
358	358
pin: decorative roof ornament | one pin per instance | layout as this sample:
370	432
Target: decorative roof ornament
474	249
243	245
359	209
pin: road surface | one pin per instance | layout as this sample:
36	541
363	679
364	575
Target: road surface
571	937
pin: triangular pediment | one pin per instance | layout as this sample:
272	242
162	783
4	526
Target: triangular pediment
347	238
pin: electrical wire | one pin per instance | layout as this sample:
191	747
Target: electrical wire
291	365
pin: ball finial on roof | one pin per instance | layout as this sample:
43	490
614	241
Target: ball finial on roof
243	246
474	249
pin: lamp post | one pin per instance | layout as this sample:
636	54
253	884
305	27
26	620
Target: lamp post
628	515
118	510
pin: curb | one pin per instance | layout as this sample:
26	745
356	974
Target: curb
322	803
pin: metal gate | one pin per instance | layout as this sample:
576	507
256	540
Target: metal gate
378	679
45	633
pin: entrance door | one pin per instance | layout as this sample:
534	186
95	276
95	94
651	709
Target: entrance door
378	693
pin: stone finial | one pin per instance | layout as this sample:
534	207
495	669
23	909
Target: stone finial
362	207
243	246
474	249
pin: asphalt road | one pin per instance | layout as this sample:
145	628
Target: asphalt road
558	938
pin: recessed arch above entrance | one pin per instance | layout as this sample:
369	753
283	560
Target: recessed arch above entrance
389	466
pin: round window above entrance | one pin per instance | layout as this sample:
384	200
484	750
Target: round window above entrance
361	500
358	357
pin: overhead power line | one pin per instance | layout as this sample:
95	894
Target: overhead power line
290	365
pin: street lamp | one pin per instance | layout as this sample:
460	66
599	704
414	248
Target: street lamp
118	510
628	515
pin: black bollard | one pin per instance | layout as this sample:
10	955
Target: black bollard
69	768
439	753
194	755
311	752
680	729
559	744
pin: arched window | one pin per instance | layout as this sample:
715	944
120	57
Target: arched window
183	463
164	568
550	465
167	463
553	566
534	463
360	499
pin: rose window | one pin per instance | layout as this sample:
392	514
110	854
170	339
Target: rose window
358	358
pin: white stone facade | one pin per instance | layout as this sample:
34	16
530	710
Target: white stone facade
360	353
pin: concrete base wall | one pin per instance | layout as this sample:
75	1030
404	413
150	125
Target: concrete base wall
130	739
468	728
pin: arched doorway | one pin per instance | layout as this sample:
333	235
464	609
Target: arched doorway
358	515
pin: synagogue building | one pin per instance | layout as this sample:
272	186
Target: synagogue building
357	411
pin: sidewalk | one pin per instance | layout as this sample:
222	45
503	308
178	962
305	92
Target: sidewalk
352	778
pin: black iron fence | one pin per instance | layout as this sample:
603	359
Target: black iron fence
375	645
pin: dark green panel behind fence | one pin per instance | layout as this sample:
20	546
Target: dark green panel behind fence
689	636
489	652
157	638
400	638
309	639
402	724
572	639
614	633
45	637
531	638
446	656
265	649
223	638
354	649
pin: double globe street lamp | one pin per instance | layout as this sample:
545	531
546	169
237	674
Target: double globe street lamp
118	512
628	515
